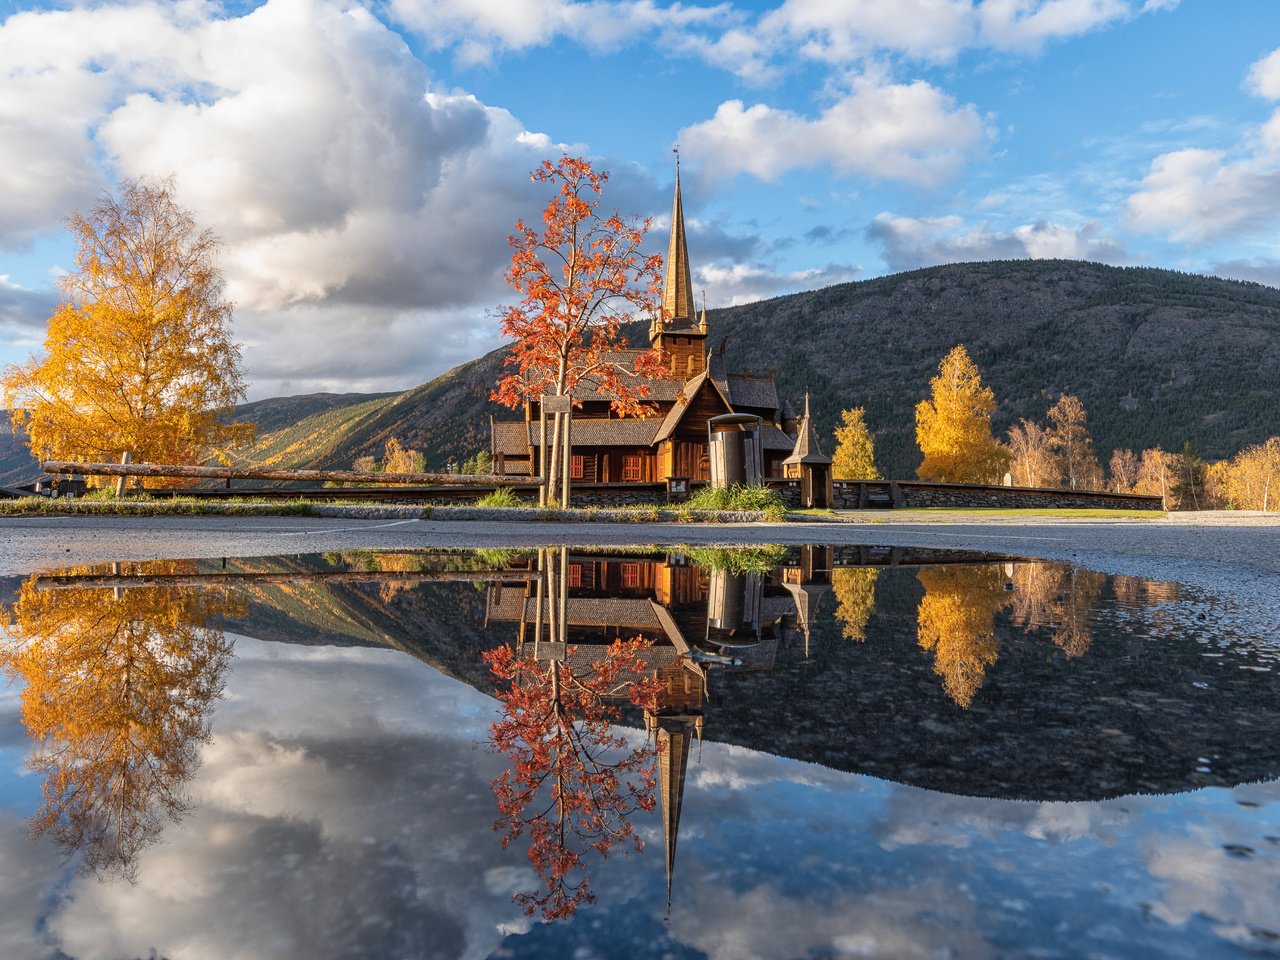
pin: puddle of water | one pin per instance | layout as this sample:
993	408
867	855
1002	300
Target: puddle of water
823	752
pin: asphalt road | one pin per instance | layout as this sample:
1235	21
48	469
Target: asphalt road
1226	553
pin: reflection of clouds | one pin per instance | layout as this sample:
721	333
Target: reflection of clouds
738	768
284	888
1222	869
341	811
30	874
342	832
916	817
928	921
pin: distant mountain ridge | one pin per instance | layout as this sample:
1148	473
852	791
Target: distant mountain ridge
1158	357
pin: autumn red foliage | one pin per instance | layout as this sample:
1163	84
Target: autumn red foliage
580	279
574	782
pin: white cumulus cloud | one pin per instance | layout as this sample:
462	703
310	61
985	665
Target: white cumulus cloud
911	132
359	204
841	31
1196	195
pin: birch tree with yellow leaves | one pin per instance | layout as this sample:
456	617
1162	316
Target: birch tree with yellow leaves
953	427
138	357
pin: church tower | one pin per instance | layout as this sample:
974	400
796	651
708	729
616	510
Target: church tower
677	330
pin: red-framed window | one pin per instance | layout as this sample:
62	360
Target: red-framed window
631	574
575	574
577	467
632	468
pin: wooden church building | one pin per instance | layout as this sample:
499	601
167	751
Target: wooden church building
672	444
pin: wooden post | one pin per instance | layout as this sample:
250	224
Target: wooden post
542	578
564	597
553	631
568	457
556	404
123	482
542	452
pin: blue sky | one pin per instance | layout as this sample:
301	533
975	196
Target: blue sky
364	163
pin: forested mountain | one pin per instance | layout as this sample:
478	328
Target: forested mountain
1158	357
16	465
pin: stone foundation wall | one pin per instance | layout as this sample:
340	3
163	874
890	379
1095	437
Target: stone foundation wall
848	495
853	495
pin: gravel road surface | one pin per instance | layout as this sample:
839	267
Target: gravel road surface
1231	554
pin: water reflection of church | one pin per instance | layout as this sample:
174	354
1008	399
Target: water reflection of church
699	617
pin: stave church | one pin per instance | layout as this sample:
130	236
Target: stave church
672	444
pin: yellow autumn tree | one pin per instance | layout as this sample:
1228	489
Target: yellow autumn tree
953	427
1251	479
956	622
855	454
117	689
855	590
138	357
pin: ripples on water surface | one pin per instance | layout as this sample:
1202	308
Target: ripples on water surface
824	752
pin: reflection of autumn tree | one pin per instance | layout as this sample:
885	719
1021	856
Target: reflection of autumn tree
956	621
855	590
1081	590
573	783
117	694
1035	594
1049	595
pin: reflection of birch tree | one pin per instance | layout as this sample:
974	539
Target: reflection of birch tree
956	622
1060	598
855	590
117	692
573	783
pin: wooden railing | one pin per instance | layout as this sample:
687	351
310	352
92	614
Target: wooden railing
362	484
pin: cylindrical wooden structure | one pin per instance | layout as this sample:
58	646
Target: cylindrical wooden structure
733	449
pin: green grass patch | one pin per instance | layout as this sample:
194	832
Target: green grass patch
502	497
758	499
739	560
145	507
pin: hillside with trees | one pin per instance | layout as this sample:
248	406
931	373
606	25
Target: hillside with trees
1158	358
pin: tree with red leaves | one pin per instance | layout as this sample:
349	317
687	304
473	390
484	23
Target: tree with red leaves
573	783
579	278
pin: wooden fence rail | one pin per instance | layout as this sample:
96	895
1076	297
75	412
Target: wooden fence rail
297	476
101	581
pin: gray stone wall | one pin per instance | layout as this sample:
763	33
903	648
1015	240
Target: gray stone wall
849	495
852	495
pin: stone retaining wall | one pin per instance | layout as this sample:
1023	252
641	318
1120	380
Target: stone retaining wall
853	495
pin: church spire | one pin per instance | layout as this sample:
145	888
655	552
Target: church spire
677	287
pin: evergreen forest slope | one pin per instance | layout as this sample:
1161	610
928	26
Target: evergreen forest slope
1158	357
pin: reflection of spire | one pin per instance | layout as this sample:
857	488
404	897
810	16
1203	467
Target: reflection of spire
679	720
806	596
674	737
